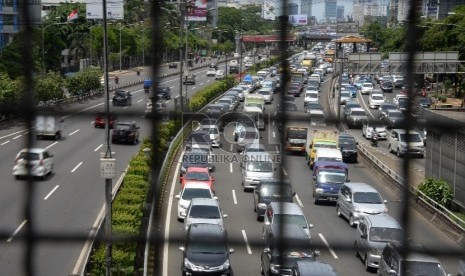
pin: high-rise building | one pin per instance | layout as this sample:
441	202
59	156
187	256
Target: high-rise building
340	13
330	10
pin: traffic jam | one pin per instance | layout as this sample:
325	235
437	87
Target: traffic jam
288	189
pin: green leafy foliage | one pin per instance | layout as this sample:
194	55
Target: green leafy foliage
438	190
49	87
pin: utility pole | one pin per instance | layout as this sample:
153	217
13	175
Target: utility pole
180	55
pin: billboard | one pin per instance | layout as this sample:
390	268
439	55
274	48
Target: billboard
298	19
199	12
115	10
269	10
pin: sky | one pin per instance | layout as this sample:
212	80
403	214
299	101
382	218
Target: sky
318	8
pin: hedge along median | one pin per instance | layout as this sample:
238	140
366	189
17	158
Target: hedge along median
130	202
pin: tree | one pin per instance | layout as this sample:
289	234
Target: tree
438	190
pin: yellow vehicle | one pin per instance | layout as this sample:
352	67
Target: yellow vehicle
320	139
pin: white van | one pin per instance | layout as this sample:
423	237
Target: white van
267	94
325	154
256	166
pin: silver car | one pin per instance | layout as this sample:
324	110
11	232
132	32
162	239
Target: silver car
204	210
357	199
36	162
372	234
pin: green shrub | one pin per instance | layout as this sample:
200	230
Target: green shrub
142	170
438	190
98	261
129	198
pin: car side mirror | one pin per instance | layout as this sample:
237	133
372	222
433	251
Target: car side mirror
182	248
266	250
314	177
316	253
225	215
177	196
385	201
231	250
348	180
215	197
294	194
310	226
363	236
348	199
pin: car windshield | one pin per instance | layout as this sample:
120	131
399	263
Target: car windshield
201	176
396	114
347	140
205	244
368	85
190	193
290	219
264	92
123	126
413	268
297	134
367	197
313	106
375	125
331	176
205	211
349	106
377	97
382	234
29	156
276	191
120	93
413	137
260	166
326	145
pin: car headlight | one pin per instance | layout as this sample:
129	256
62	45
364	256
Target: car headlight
357	210
225	265
261	206
319	190
183	206
274	268
191	266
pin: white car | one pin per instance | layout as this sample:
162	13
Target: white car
211	72
367	88
267	94
375	100
311	96
190	191
204	210
40	163
219	75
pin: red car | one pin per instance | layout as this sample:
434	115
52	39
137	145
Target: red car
99	121
197	175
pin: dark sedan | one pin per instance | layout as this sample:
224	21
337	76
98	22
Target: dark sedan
127	132
394	118
387	86
122	97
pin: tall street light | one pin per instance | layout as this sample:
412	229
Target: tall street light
188	8
121	26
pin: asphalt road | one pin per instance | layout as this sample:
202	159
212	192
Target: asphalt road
331	234
67	203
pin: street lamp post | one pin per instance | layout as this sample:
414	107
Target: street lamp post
188	10
120	28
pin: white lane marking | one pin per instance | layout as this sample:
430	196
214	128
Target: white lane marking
92	122
77	166
97	148
272	123
274	134
51	145
74	132
234	197
14	138
4	143
277	148
171	87
140	100
17	230
168	101
230	167
299	201
231	147
14	133
51	192
284	172
246	242
168	219
327	245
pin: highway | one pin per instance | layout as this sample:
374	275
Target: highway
68	202
331	235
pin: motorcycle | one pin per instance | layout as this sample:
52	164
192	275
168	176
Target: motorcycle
374	139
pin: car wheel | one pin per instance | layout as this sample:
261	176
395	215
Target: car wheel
261	270
398	152
338	211
351	221
389	148
357	254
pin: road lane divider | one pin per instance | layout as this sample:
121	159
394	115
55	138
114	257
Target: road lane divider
4	143
51	145
284	171
327	245
77	166
74	132
51	192
97	148
231	167
17	231
244	235
234	197
297	198
14	138
168	218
